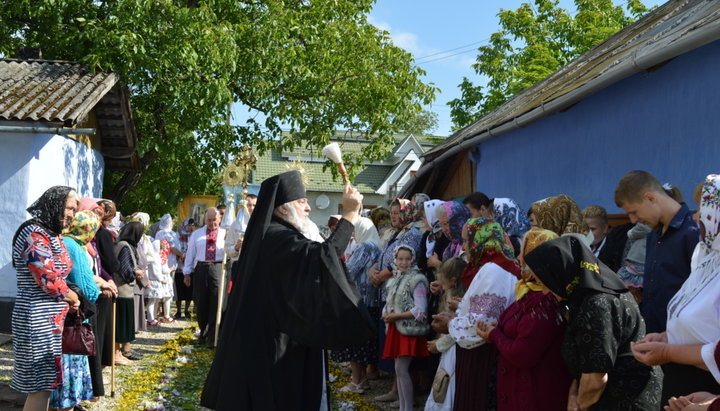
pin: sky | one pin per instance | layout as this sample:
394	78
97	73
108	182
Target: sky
444	37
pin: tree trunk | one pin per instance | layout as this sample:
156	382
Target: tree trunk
131	178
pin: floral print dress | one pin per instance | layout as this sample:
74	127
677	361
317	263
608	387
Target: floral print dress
42	263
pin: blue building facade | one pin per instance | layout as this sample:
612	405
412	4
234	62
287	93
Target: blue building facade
665	121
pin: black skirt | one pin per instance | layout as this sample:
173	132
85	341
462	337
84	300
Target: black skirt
125	320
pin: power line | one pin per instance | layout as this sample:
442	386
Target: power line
453	49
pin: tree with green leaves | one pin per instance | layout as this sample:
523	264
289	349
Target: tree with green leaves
534	41
307	67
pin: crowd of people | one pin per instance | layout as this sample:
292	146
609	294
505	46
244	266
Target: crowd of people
489	307
475	302
76	256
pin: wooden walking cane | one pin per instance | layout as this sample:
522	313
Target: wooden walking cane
114	345
221	293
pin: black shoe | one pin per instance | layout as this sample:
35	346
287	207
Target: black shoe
201	340
132	355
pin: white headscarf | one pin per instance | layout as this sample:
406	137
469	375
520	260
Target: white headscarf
709	223
430	206
166	223
365	231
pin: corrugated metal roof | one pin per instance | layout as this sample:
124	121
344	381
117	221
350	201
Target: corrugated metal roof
678	25
54	91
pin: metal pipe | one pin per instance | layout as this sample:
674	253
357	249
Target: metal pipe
47	130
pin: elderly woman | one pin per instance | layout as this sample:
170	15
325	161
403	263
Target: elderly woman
78	384
603	321
489	279
380	216
146	255
452	217
43	298
512	219
561	215
358	263
528	336
693	311
128	273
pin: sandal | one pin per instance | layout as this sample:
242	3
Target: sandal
131	355
168	320
153	323
352	387
364	384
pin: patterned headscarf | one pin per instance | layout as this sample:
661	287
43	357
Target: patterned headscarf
457	215
486	243
533	238
49	209
109	209
430	206
709	223
380	216
83	227
559	214
408	213
511	217
140	217
485	236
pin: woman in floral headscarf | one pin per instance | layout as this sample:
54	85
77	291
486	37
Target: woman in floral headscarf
692	313
528	336
380	216
513	220
77	384
561	215
490	278
452	217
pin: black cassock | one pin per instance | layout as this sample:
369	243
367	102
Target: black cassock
290	300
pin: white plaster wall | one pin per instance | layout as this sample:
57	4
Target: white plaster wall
320	217
29	165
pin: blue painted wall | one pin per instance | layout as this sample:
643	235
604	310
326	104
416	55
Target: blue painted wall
666	122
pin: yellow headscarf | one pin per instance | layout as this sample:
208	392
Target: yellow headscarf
83	227
532	239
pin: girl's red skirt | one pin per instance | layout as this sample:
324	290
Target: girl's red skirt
398	345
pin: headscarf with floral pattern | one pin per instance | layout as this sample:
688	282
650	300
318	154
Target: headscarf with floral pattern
457	214
486	244
408	213
83	227
559	214
140	217
532	239
380	216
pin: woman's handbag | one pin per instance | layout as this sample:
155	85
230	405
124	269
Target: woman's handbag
77	337
440	385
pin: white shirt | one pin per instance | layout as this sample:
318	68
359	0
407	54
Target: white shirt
196	248
490	293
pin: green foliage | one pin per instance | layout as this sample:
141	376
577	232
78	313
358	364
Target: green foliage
534	41
307	66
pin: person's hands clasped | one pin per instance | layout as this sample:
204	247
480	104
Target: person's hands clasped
187	281
390	317
432	347
139	274
440	322
651	353
484	329
351	203
655	337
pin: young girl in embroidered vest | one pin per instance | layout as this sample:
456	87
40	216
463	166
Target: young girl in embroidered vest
441	397
405	314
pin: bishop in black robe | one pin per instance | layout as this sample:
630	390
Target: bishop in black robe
290	300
